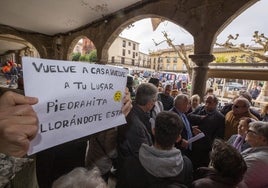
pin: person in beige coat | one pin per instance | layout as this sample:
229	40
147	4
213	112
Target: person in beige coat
240	109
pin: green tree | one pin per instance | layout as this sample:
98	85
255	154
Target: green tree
221	59
76	56
83	58
92	56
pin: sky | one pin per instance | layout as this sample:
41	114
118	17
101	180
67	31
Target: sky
245	24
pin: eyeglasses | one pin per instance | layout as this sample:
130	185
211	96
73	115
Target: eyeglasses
251	131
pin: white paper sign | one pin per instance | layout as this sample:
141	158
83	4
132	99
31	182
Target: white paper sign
75	99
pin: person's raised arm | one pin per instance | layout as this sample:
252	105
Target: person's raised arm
127	103
18	123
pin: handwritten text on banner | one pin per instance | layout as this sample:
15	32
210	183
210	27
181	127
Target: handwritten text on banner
75	99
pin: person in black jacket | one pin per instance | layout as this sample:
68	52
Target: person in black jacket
165	97
212	123
137	131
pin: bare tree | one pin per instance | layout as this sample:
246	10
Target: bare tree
259	39
180	49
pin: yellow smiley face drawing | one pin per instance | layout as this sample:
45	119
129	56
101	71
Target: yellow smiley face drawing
117	96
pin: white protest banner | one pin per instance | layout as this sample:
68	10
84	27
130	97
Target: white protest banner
75	99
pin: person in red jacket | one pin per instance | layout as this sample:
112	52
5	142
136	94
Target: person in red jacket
6	70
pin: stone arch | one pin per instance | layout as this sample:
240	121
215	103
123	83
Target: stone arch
202	21
73	43
71	46
21	41
233	17
28	37
124	25
21	48
37	44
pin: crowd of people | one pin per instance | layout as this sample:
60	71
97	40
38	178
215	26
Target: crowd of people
12	71
153	149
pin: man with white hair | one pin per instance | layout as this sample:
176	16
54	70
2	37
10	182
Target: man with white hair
181	105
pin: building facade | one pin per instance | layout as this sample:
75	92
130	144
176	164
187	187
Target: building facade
124	52
227	55
169	59
144	60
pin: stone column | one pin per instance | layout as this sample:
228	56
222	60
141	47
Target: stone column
199	75
102	55
17	57
59	47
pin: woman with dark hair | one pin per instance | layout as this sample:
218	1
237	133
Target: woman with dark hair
226	170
